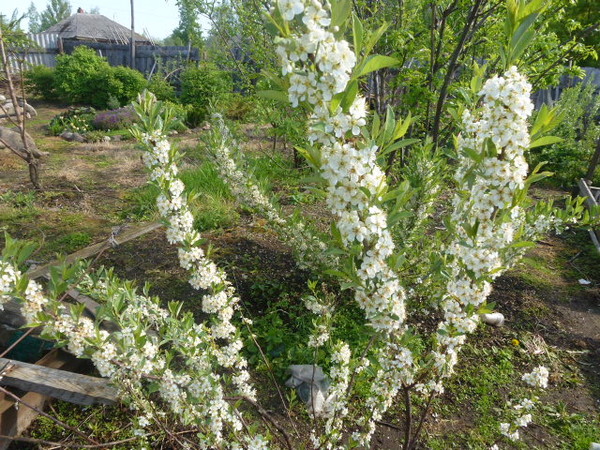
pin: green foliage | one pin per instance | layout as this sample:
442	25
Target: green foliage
203	86
95	136
239	107
282	328
70	243
40	81
212	205
86	78
161	88
77	120
132	81
17	199
78	76
579	108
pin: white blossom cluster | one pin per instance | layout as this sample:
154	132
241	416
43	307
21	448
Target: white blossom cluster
309	249
340	379
319	66
487	220
136	354
8	277
220	301
522	418
537	378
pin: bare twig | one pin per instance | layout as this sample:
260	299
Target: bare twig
48	416
17	342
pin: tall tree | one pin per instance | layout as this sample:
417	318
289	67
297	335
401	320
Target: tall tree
33	16
56	10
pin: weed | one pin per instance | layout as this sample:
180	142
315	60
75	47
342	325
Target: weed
18	199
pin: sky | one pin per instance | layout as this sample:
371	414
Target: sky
157	18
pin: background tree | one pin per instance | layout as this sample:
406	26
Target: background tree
56	10
33	16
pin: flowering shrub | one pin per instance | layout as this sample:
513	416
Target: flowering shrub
162	360
75	120
115	119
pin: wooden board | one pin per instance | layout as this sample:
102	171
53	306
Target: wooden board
126	235
56	383
12	316
13	421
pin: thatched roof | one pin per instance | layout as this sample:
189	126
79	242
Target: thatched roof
93	27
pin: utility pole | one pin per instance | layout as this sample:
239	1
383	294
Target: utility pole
132	38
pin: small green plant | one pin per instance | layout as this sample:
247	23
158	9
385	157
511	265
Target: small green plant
95	136
76	120
70	243
160	87
18	199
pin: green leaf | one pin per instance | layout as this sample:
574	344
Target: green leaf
376	62
397	145
521	46
374	37
389	126
521	31
546	140
278	96
357	34
340	11
376	125
349	95
402	127
337	273
522	244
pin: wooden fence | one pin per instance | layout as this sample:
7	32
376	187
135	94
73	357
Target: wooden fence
147	57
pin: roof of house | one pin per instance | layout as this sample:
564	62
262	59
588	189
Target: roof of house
93	27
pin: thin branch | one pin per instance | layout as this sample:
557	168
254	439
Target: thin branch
17	342
48	416
408	406
265	415
66	445
451	68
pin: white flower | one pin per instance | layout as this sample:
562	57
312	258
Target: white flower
538	377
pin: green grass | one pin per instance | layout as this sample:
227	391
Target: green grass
213	205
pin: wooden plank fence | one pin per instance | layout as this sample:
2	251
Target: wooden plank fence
147	57
51	376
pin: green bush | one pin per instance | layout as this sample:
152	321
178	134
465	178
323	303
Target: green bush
161	88
203	86
580	129
86	78
132	81
180	113
40	81
78	76
239	107
106	87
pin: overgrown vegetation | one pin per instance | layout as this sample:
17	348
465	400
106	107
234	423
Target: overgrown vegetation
541	298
